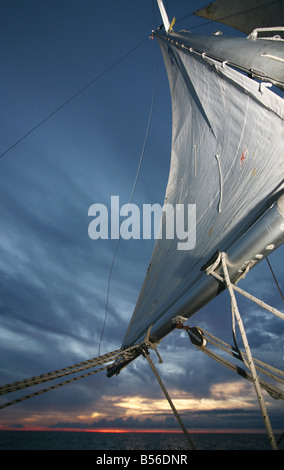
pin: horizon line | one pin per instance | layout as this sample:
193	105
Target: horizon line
135	430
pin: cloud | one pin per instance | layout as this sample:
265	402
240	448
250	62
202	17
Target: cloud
53	277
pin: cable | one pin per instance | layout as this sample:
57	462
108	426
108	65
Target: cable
125	354
227	16
177	415
276	282
130	198
74	96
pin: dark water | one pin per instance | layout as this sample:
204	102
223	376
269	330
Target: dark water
61	440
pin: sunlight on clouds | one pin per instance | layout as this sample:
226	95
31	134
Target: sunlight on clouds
137	405
95	415
238	390
230	395
49	418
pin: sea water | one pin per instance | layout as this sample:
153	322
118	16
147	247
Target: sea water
61	440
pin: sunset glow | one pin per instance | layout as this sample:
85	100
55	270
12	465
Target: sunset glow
138	409
60	309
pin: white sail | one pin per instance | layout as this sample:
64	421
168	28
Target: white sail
228	159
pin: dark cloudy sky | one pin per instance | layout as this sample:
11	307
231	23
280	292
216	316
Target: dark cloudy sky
53	277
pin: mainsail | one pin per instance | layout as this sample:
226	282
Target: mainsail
228	159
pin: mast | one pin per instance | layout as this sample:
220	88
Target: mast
164	15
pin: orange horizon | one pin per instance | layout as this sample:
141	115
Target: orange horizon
137	430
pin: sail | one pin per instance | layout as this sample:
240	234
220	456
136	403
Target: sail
227	159
244	15
260	58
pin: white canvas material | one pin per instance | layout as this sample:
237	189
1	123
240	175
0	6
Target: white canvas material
228	159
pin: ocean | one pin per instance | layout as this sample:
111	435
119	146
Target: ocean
61	440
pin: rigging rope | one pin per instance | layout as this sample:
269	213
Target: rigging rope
91	363
249	10
74	96
188	438
274	277
18	400
131	195
275	311
266	369
200	338
249	362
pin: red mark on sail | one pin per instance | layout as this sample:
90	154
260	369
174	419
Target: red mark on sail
244	155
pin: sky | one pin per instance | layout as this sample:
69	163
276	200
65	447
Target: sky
53	276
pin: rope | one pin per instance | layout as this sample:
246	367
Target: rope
187	436
59	373
251	365
259	302
18	400
273	391
272	372
73	97
221	182
130	198
274	277
225	17
91	363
